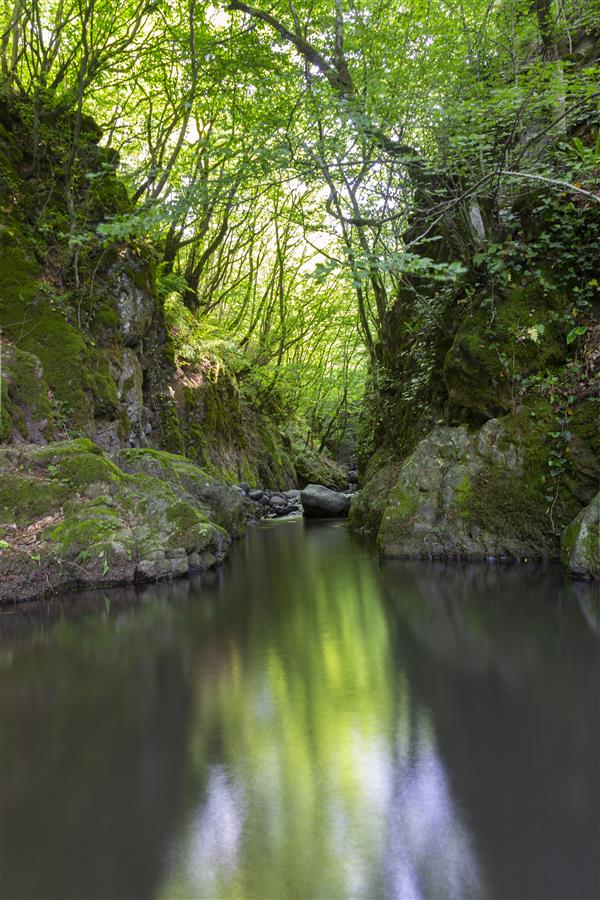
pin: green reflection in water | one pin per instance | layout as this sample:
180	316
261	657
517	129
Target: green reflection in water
325	781
304	723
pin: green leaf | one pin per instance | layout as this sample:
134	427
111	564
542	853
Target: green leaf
575	333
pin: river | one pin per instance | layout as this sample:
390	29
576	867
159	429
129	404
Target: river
306	722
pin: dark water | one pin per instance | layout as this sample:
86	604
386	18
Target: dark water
305	723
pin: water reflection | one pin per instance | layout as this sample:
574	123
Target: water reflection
305	723
508	665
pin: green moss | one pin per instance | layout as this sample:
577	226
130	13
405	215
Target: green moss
108	194
55	452
403	504
84	469
25	499
398	518
104	390
521	510
534	505
213	413
77	373
214	500
490	355
378	481
24	396
19	274
463	496
569	541
6	423
184	516
583	451
106	318
149	459
88	527
314	468
580	542
170	430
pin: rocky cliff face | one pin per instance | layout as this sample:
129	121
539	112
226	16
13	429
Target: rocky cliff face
88	347
484	441
115	451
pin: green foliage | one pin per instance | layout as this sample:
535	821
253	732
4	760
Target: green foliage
576	332
316	214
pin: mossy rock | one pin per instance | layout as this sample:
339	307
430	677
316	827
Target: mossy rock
27	498
26	413
220	502
484	493
91	531
580	542
77	374
210	420
61	450
318	468
268	452
75	327
369	504
217	428
71	516
491	353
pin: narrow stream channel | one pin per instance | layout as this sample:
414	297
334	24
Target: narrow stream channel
304	723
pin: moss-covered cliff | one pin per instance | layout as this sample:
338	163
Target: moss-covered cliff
106	412
89	347
484	439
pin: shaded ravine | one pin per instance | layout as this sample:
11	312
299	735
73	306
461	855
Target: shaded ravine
304	722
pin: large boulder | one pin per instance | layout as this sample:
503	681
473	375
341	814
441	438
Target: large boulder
492	492
69	516
580	543
319	502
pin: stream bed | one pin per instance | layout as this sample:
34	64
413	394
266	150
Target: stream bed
305	722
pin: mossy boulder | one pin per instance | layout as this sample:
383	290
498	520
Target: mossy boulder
70	516
318	468
476	494
220	502
580	543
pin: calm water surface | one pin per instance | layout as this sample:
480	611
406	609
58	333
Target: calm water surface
307	722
